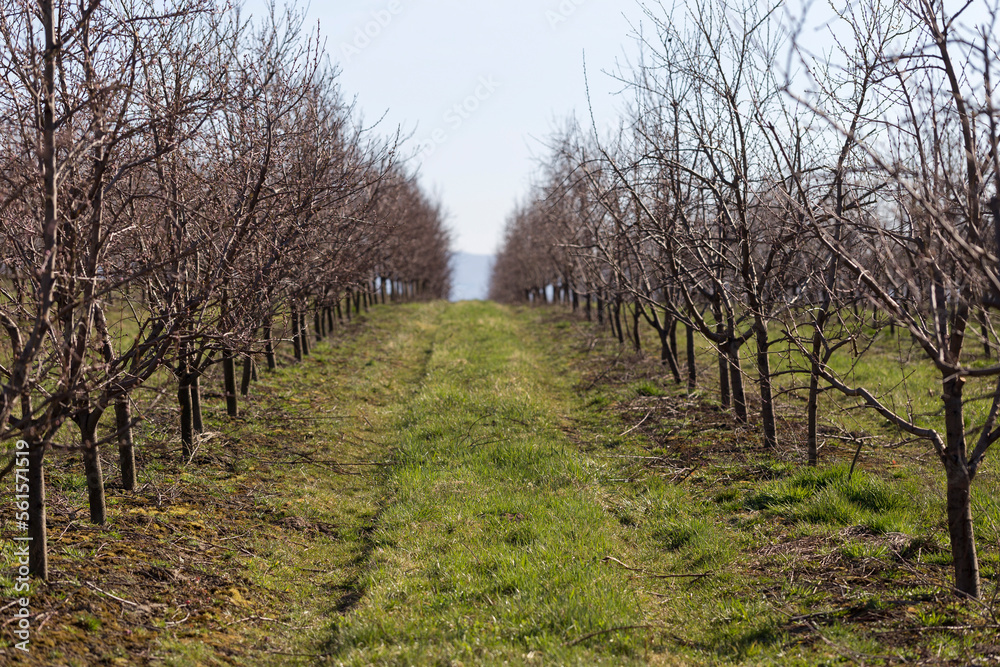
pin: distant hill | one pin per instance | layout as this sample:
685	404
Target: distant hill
471	277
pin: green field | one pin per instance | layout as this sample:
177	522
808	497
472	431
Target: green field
449	484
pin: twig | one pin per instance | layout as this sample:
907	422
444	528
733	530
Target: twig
113	597
653	574
637	425
609	630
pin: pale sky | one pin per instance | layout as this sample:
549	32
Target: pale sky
479	84
514	68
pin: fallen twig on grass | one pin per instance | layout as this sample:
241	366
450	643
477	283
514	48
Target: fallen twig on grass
113	597
610	630
622	435
653	574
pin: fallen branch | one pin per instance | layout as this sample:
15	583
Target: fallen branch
610	630
622	435
113	597
653	574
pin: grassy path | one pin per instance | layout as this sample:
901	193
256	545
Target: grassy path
490	546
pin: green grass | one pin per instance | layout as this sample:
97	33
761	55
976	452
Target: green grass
476	484
490	549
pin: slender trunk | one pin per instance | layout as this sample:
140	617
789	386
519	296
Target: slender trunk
600	310
269	347
617	321
667	356
229	381
736	382
296	335
38	551
588	308
984	328
304	335
768	425
725	391
636	340
93	469
330	324
184	402
576	301
960	526
672	332
318	326
812	406
194	383
126	448
247	376
692	365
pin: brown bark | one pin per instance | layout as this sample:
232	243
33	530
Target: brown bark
272	363
247	376
126	448
692	367
38	552
959	496
229	382
768	425
194	385
92	467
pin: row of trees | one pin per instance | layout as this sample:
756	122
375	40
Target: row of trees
737	208
180	187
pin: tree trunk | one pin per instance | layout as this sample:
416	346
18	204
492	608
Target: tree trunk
126	449
768	425
725	391
672	332
304	335
229	381
588	308
269	347
692	365
194	384
296	335
736	382
600	310
812	406
960	526
667	357
247	376
617	321
93	469
318	326
984	328
184	402
38	550
636	340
